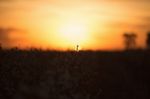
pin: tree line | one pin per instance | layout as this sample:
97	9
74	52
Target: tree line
130	41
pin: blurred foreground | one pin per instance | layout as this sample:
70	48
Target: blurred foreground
39	74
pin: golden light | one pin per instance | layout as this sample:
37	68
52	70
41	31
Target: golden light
74	33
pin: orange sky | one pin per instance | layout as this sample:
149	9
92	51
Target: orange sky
62	24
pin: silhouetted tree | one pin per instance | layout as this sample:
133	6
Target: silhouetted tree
127	42
148	41
0	46
77	48
130	41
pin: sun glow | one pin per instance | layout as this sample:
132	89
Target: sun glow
74	33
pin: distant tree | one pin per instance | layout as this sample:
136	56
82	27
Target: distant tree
148	41
0	46
130	41
127	40
77	48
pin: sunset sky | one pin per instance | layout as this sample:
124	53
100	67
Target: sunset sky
62	24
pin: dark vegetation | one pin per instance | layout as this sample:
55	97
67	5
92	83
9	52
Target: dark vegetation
39	74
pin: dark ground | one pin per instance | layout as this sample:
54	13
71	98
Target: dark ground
74	75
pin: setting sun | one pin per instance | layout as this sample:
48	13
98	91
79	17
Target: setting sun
75	33
64	24
74	49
